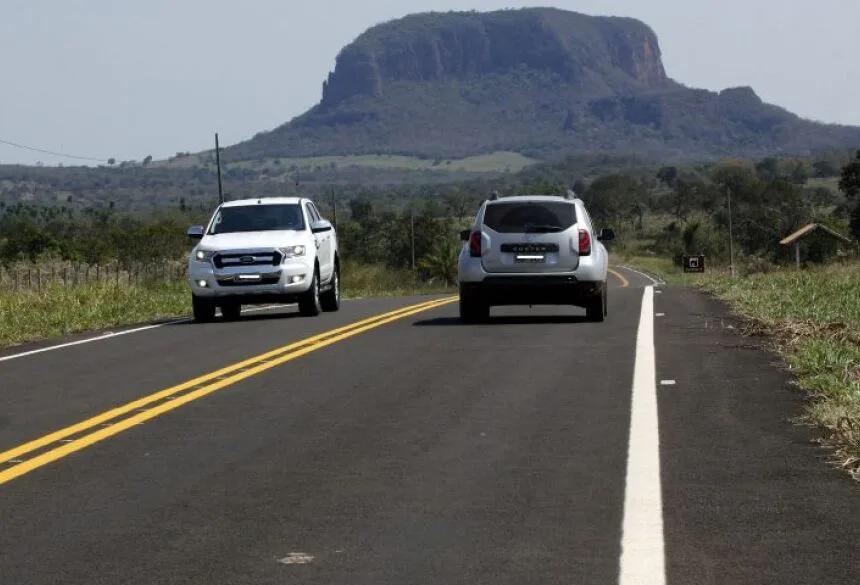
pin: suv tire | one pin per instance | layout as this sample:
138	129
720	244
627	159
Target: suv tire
596	310
473	310
203	308
309	302
330	299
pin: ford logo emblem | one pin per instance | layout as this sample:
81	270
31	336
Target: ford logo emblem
247	259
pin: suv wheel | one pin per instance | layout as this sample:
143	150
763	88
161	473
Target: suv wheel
231	311
473	310
204	309
309	302
596	309
330	299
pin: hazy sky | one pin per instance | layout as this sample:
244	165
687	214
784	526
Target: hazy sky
128	78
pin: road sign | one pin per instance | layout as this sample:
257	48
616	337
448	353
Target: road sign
694	263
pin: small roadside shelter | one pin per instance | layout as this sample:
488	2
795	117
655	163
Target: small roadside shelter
817	243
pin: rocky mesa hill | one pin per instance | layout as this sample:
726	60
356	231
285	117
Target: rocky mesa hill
535	81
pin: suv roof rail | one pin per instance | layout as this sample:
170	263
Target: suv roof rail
570	194
494	195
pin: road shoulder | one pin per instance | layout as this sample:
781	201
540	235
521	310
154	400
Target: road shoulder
750	496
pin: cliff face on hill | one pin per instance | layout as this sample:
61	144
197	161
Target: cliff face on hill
588	52
536	81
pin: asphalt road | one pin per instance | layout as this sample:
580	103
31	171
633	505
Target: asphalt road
652	448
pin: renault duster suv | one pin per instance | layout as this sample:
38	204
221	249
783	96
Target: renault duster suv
264	251
533	250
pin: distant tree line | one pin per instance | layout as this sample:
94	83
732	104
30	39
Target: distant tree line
675	210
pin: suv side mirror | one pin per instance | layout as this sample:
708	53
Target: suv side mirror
606	235
321	225
464	235
195	232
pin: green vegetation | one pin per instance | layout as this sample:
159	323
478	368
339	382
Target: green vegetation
64	310
814	318
59	310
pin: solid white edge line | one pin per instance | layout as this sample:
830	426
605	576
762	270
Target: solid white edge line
649	277
111	335
642	546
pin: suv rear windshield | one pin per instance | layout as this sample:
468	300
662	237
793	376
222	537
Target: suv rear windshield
258	218
530	216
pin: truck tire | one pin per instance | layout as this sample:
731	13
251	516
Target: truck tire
231	311
330	299
204	309
309	302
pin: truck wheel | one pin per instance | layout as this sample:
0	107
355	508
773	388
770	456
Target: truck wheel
309	302
330	299
204	309
231	311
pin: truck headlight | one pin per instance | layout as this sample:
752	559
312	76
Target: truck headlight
203	255
292	251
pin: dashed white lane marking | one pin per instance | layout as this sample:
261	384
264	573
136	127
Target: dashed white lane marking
660	315
296	558
642	546
667	382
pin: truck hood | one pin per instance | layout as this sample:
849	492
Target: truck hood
246	240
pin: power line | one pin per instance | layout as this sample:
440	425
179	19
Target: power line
34	149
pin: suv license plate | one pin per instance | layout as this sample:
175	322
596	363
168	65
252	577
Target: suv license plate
530	258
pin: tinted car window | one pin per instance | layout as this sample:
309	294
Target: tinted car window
531	216
258	218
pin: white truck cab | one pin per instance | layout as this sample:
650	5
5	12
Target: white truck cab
270	250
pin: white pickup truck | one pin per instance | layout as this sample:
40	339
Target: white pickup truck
264	251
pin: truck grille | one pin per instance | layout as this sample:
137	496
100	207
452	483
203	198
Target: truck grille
236	280
230	260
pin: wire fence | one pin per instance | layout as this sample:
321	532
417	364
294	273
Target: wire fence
36	278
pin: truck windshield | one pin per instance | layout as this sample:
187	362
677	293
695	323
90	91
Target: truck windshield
258	218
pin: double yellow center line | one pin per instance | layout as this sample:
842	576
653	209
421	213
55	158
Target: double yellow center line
44	450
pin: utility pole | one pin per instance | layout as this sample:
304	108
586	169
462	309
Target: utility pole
218	164
731	236
333	208
412	230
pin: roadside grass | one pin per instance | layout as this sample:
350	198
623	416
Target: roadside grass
65	310
381	281
59	310
813	317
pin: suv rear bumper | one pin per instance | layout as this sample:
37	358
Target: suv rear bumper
532	290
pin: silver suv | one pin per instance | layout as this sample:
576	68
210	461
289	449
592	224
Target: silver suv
533	250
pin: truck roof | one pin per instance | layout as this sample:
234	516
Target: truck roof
262	201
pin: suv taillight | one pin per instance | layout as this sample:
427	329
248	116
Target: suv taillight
584	243
475	244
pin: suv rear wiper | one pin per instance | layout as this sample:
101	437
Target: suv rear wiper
543	228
